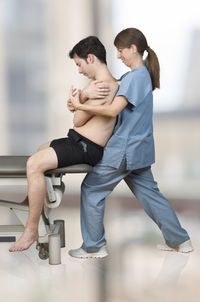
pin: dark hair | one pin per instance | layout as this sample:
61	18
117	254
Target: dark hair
89	45
130	36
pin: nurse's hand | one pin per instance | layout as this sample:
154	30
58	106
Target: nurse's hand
96	90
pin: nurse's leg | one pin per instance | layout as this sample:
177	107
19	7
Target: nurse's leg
95	188
144	187
36	166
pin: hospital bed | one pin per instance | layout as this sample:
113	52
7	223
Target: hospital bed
51	232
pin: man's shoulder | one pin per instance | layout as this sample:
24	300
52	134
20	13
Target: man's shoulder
114	86
112	83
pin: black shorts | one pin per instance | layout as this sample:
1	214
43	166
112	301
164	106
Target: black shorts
76	149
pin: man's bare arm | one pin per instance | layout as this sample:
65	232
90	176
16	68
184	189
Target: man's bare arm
82	117
94	90
110	109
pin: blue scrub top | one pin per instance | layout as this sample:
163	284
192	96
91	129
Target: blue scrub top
133	133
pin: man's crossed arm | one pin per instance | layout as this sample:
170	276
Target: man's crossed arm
97	92
109	109
94	90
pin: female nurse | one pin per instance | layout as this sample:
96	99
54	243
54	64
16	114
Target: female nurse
129	153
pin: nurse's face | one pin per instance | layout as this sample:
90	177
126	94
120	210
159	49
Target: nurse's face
126	55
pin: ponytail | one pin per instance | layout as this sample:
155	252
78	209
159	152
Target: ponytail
152	64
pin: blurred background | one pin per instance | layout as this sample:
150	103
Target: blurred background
36	74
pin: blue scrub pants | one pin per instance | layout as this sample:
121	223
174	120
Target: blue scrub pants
98	184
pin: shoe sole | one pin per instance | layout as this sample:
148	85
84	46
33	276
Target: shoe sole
185	251
168	249
89	256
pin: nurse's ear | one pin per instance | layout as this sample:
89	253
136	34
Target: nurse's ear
134	48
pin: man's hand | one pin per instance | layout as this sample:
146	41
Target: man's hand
72	92
74	99
96	90
70	106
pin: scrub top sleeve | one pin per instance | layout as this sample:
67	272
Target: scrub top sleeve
131	87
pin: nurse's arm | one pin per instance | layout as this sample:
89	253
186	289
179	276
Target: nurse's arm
95	90
106	109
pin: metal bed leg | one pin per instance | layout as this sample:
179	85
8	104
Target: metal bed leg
54	249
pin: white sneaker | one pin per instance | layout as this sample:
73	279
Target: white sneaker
165	247
185	247
80	253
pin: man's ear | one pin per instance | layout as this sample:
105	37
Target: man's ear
90	58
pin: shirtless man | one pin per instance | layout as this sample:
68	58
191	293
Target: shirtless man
85	142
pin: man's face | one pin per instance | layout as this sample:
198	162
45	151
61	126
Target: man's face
84	67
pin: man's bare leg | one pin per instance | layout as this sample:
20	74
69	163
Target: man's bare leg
37	164
42	147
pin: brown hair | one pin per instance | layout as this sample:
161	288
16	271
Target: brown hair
89	45
130	36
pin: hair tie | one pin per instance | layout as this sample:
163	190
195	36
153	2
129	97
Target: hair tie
148	48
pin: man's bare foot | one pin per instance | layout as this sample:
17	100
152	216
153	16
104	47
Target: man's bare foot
24	242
